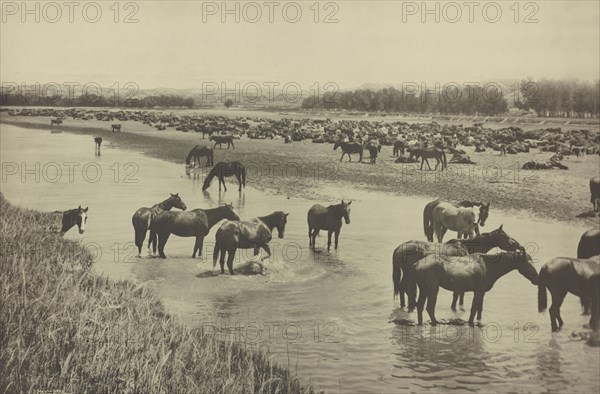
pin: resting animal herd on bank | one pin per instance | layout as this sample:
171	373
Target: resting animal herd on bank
460	265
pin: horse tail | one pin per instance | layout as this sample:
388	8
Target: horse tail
216	254
428	222
396	277
542	296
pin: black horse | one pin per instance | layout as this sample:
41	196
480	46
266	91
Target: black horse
222	139
425	154
399	148
226	169
349	147
77	216
98	141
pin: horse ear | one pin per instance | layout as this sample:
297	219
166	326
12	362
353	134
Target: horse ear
342	202
171	194
86	209
500	228
286	214
349	202
79	208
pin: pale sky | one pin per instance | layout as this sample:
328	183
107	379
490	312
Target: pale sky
171	46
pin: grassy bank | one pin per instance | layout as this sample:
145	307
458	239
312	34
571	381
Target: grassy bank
63	327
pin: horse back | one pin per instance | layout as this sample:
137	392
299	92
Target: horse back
320	217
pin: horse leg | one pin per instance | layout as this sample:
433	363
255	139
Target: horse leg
337	236
314	238
461	300
329	239
232	145
239	179
557	299
480	310
230	261
198	246
420	304
310	240
343	153
266	249
455	296
431	301
222	259
477	300
427	161
222	180
162	241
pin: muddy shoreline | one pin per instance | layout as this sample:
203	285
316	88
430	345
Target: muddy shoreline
303	169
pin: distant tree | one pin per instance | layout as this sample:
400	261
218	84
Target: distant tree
228	103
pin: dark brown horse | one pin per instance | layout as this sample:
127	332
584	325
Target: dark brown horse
563	275
330	219
55	121
72	217
222	139
116	127
254	234
484	212
435	153
142	218
348	148
373	149
476	272
195	223
199	151
226	169
406	255
98	142
399	148
595	193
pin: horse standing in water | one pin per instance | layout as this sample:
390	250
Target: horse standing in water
425	154
98	141
484	211
195	223
142	219
448	217
476	272
407	254
349	147
199	151
77	216
330	219
253	234
563	275
226	169
222	139
595	193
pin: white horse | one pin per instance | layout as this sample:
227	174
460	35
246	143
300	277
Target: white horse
448	217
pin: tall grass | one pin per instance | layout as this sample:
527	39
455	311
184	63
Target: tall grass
63	327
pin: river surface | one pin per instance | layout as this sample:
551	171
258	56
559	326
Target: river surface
329	317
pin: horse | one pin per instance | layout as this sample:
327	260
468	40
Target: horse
253	234
563	275
142	218
98	141
426	154
595	193
223	170
484	211
195	223
222	139
448	217
76	216
407	254
116	127
373	149
476	272
349	147
55	121
330	219
204	132
589	244
199	151
399	148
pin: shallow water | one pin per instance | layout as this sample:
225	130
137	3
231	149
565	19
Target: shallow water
327	315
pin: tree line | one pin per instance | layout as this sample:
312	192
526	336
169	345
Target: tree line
95	101
561	98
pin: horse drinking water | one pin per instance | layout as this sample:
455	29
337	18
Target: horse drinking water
330	219
226	169
195	223
476	272
77	216
142	218
199	151
254	234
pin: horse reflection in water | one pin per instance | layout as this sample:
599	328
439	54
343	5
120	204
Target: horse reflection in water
477	273
195	223
254	234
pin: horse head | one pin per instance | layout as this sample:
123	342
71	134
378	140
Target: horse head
476	214
177	202
336	144
346	210
281	222
525	265
503	240
230	212
81	219
484	211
